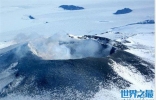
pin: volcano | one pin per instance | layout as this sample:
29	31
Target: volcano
30	74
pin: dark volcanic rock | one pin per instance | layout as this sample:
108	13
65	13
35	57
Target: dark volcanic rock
31	17
147	22
71	7
143	22
123	11
106	41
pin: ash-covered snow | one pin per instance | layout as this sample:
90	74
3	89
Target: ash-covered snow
41	25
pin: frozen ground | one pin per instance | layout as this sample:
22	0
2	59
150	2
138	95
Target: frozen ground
97	18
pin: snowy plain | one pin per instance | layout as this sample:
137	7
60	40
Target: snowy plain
96	18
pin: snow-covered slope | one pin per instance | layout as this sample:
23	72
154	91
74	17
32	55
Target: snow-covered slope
40	32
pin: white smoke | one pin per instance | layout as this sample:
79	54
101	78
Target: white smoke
61	46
